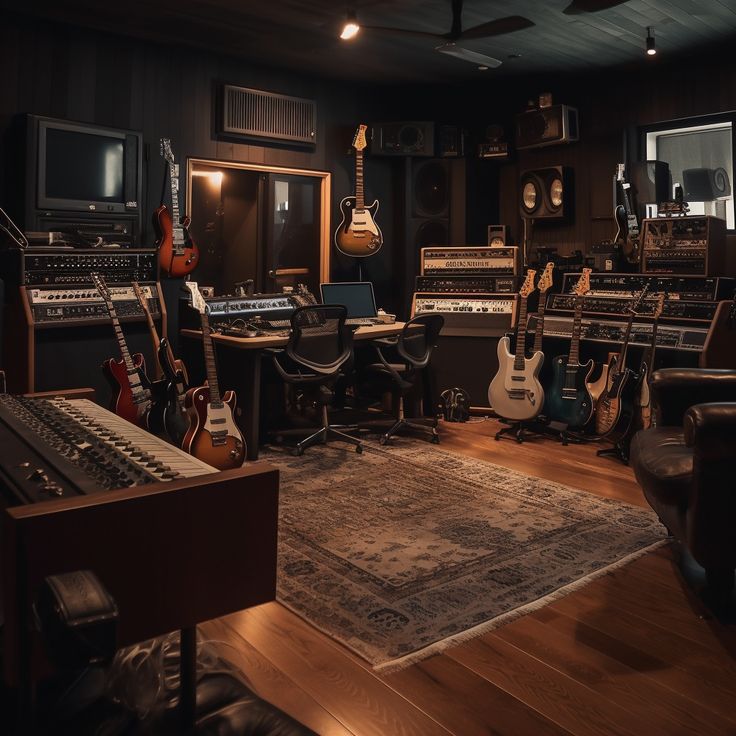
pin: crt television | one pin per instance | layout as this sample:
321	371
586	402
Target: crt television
79	167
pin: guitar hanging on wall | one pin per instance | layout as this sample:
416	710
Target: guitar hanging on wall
358	235
177	253
626	221
213	436
515	391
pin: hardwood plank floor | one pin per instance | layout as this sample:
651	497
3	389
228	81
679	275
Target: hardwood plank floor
633	652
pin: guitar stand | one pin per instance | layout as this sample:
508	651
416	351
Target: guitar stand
618	451
522	429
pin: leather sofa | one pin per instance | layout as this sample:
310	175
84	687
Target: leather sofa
686	467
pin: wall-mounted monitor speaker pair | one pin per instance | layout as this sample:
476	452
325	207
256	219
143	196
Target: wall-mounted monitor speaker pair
546	193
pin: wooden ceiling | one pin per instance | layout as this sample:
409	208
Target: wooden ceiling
302	35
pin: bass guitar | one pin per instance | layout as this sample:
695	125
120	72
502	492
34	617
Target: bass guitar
358	235
515	391
177	253
643	418
132	392
174	416
615	408
568	399
213	436
626	221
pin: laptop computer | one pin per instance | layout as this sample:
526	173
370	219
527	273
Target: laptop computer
358	298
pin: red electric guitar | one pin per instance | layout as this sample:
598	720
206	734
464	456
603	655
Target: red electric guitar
177	253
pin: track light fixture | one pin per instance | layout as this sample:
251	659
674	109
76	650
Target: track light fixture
351	27
651	47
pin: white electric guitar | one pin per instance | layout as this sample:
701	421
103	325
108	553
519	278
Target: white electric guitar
358	235
515	391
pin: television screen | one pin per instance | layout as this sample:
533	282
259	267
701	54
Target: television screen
84	167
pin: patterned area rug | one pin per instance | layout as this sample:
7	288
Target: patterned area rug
403	551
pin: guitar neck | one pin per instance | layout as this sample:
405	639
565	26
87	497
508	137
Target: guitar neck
120	337
174	179
574	357
621	362
521	336
209	361
648	357
359	195
539	329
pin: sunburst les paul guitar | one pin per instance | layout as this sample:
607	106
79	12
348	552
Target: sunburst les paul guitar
213	436
177	252
515	391
358	234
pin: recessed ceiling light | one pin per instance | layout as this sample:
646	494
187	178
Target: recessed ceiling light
651	46
482	68
351	27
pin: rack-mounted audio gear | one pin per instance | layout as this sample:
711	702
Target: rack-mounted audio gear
469	260
467	284
673	310
272	308
481	315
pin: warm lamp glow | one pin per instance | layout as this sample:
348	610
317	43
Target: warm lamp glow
651	47
351	27
215	177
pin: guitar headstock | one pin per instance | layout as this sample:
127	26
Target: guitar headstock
166	151
659	306
99	282
528	286
142	300
198	301
359	141
545	280
583	285
620	172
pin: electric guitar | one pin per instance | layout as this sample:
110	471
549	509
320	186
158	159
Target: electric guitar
544	285
643	419
213	436
358	235
515	391
132	397
626	221
615	408
177	253
173	414
568	399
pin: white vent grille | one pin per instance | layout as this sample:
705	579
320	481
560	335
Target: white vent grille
266	115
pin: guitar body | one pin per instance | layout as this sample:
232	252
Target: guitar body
213	436
643	414
358	235
122	402
174	263
175	417
568	399
597	387
615	409
155	416
516	394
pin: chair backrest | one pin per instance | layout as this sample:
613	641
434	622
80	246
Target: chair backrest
319	338
418	338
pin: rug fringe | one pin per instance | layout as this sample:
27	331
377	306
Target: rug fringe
437	647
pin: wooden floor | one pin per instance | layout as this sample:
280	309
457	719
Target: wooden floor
632	653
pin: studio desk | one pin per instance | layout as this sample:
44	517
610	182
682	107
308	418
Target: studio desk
172	553
239	368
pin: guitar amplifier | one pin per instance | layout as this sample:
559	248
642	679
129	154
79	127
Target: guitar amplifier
466	260
469	315
693	244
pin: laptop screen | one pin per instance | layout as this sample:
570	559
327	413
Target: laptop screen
357	296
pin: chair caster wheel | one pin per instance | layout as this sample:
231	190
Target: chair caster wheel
359	449
298	451
383	440
435	439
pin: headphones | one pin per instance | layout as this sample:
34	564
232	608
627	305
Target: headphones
455	405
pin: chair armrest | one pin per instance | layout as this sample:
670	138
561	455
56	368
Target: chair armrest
711	430
675	390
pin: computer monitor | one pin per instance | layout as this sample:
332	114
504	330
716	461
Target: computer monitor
357	296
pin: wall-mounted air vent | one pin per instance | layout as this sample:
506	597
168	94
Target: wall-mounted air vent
253	113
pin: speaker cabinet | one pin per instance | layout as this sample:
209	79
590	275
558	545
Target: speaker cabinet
547	194
650	182
403	139
546	127
705	185
498	236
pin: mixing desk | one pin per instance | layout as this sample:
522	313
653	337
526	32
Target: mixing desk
72	447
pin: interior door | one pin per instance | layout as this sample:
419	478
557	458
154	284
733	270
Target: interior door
291	231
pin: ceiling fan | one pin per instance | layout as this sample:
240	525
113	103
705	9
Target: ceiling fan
590	6
449	40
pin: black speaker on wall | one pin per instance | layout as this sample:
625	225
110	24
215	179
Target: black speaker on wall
403	139
547	194
706	185
650	182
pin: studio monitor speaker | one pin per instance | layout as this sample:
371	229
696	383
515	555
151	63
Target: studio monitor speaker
650	181
403	139
498	235
546	126
705	185
547	193
430	189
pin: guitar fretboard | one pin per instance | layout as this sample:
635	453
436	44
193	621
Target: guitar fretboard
209	362
178	232
574	358
521	336
359	194
539	328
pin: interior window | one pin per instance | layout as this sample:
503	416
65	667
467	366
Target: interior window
701	161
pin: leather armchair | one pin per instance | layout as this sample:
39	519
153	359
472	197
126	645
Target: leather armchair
685	466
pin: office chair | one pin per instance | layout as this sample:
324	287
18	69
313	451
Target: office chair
320	344
414	347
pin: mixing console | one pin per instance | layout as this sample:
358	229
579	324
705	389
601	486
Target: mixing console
70	447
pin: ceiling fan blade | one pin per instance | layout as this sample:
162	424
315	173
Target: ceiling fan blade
404	31
590	6
497	27
466	55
